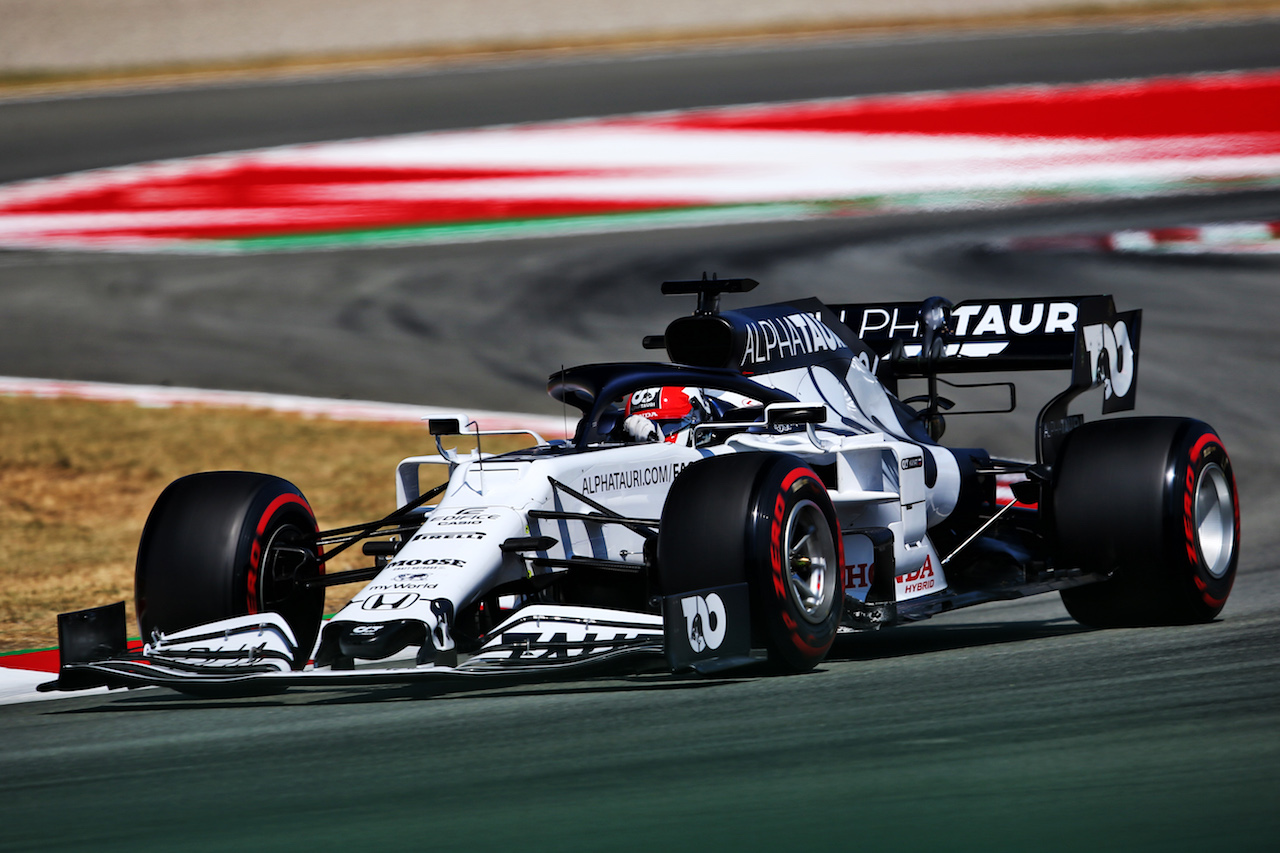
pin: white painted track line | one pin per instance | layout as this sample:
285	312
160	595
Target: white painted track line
547	426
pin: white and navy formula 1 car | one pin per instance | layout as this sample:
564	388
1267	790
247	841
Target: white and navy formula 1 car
751	498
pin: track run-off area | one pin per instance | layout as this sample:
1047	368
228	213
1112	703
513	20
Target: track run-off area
1005	727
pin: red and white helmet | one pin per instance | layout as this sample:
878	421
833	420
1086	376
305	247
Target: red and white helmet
671	409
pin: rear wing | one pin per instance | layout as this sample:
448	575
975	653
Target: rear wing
1083	334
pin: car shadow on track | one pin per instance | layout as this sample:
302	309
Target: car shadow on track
922	639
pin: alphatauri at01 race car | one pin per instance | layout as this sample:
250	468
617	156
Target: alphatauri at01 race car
751	498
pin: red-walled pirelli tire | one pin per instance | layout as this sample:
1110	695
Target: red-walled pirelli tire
767	515
1152	500
224	544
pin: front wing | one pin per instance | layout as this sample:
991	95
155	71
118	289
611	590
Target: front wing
253	654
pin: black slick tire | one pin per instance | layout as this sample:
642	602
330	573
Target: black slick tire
766	517
224	544
1152	501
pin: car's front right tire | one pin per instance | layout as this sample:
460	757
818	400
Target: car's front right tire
229	543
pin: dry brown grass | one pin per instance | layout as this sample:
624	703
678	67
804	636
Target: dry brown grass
78	478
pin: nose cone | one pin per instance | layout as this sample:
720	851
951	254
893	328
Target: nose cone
345	642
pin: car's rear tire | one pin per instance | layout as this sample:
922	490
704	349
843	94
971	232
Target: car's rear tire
1153	502
224	544
768	516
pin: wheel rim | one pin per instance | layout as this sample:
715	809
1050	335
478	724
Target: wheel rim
285	567
1215	520
811	562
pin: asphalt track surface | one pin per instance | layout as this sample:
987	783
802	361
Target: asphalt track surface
1006	727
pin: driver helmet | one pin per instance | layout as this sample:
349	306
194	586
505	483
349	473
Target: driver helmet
672	411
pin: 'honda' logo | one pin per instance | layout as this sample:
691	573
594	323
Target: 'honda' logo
394	601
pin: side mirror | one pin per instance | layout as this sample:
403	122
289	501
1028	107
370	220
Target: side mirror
446	425
788	414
